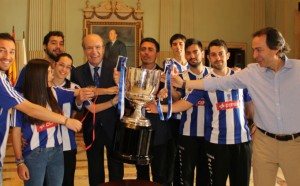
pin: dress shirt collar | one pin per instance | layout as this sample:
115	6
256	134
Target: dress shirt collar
92	68
287	64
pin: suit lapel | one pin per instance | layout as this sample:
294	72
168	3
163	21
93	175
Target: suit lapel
88	74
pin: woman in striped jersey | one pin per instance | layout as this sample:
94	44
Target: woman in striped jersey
61	71
43	156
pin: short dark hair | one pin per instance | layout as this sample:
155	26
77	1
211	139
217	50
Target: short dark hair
63	55
151	40
217	42
53	33
192	41
6	36
274	40
114	30
177	36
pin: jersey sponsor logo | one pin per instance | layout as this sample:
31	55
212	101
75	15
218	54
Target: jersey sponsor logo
201	102
228	105
45	126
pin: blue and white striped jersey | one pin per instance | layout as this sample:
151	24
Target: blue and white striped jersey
192	120
225	120
46	134
8	99
68	136
181	68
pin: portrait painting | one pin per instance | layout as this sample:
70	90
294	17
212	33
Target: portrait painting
128	32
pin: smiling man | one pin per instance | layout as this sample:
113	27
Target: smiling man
53	45
98	72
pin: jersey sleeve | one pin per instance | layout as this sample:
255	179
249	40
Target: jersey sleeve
247	97
9	97
194	96
64	95
17	118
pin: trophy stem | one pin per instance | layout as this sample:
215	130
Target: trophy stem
138	112
137	117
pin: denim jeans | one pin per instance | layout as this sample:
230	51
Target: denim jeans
45	164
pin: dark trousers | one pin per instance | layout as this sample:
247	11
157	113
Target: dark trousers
192	155
233	160
70	166
173	164
95	157
158	166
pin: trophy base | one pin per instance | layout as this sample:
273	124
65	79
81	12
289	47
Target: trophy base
132	143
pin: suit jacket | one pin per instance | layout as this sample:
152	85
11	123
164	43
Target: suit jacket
82	76
112	52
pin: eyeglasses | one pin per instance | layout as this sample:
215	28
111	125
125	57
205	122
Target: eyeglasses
91	48
62	65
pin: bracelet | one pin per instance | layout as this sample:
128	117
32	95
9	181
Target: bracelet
20	164
183	84
19	160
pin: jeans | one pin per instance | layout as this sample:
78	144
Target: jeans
45	164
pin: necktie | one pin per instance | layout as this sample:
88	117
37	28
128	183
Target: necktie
96	77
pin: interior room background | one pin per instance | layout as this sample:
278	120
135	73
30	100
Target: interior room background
231	20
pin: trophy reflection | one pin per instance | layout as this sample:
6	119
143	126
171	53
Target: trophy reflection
134	134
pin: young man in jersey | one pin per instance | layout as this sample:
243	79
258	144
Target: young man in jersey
177	44
11	99
191	140
226	132
54	45
191	150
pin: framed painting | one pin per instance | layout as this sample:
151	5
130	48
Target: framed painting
126	20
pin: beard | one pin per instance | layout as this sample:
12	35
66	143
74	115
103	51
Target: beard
218	67
195	64
50	54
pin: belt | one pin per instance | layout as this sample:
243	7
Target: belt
279	136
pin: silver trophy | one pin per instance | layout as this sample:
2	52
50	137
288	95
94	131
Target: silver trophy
134	134
141	86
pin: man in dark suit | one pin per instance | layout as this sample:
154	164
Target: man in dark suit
149	51
98	71
114	47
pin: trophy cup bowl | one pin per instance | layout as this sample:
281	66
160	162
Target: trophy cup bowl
140	88
134	134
